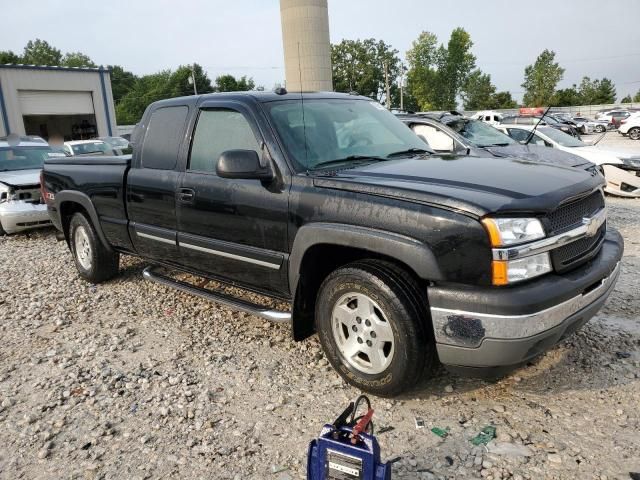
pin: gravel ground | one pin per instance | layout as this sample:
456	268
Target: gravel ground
130	379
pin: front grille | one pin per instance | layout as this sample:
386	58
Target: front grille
570	215
576	253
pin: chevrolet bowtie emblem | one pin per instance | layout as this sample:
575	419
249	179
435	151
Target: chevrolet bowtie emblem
592	226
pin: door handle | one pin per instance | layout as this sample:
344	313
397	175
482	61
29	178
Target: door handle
186	195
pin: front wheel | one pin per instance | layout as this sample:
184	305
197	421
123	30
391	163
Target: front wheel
600	128
634	133
373	324
94	262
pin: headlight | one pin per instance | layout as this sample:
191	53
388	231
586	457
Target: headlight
511	271
6	193
512	231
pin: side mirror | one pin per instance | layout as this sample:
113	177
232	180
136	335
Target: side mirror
242	164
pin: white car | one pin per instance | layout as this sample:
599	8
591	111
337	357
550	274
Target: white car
87	147
489	116
631	126
620	169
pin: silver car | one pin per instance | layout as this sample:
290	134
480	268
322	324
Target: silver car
21	160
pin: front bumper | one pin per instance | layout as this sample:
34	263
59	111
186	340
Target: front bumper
17	216
504	327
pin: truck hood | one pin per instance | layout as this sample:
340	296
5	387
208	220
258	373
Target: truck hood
476	186
19	178
539	153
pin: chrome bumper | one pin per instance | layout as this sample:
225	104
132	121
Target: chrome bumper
470	329
17	216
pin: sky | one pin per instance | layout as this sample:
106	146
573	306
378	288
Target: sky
593	38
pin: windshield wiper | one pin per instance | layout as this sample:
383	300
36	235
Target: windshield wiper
408	151
347	159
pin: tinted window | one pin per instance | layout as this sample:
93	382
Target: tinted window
218	131
163	137
23	158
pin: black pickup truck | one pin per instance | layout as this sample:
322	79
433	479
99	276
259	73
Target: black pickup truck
397	257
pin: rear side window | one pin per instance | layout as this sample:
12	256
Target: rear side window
216	132
162	139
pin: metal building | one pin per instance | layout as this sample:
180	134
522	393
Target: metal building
307	51
56	103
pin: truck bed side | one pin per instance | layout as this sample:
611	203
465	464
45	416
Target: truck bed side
90	183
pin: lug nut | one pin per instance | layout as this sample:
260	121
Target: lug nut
369	343
354	328
359	340
358	319
367	322
373	334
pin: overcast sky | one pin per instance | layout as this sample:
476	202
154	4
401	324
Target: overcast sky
591	37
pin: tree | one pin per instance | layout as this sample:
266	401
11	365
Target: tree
359	66
503	100
541	79
478	91
229	83
567	97
39	52
636	98
7	56
77	59
627	99
456	64
422	74
122	82
597	92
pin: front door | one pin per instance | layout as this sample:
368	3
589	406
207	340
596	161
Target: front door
236	229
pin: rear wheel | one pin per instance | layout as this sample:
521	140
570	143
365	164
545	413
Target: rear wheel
95	263
634	133
373	325
600	128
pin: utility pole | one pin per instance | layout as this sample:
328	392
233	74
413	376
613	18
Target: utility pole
192	79
386	85
401	86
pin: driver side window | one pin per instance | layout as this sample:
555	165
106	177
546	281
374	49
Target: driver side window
436	139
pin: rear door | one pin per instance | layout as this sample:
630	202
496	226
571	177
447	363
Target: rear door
152	183
231	228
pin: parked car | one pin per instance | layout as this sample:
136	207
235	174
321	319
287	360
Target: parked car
119	145
587	125
620	169
454	133
21	160
488	116
613	117
631	126
395	256
88	147
541	121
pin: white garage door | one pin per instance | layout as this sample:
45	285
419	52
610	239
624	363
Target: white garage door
44	102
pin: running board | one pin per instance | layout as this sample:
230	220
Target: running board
151	274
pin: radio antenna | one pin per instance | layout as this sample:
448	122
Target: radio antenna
304	124
533	131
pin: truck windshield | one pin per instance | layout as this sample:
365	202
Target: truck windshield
23	158
334	130
479	133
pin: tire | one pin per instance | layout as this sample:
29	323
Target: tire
634	133
373	325
600	128
95	263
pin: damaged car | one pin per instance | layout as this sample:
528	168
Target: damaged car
21	160
620	169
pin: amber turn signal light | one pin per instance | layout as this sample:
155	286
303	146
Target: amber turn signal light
494	233
499	274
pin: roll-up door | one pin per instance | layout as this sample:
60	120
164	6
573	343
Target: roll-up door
45	102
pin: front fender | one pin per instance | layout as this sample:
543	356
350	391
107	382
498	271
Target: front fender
409	251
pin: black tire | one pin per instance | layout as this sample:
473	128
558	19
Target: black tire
600	128
95	263
634	133
2	232
405	310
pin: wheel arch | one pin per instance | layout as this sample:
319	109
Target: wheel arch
70	202
319	249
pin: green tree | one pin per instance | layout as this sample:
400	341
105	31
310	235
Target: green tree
359	66
606	91
597	92
229	83
567	97
122	81
503	100
636	98
422	74
77	59
456	64
541	79
39	52
627	99
478	91
7	56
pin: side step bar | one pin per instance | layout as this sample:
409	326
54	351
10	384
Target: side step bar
150	273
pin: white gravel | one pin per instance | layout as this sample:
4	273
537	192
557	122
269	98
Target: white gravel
129	379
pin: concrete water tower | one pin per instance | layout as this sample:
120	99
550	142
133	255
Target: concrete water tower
307	51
